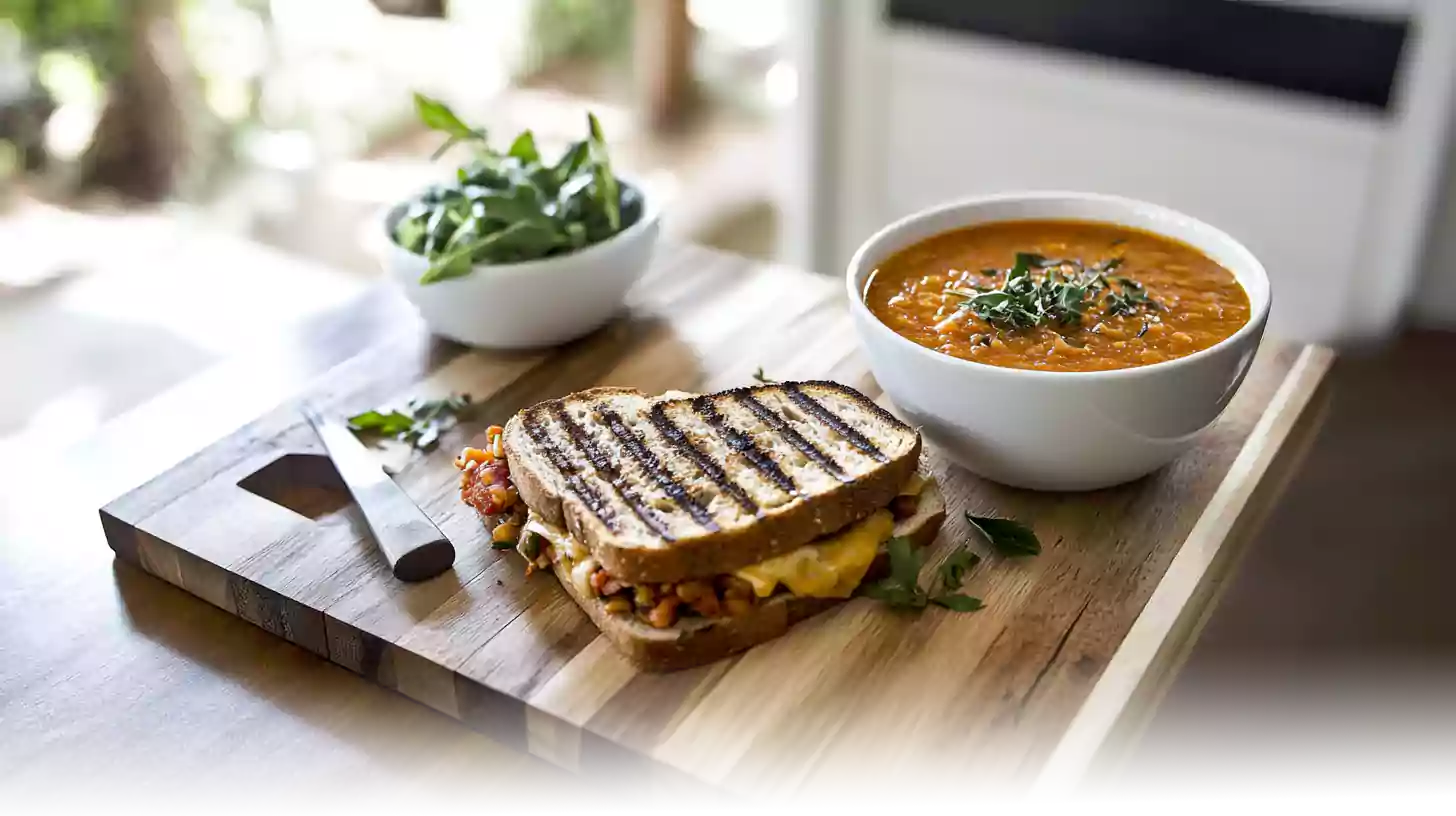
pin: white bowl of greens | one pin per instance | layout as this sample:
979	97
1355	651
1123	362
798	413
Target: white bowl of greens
517	251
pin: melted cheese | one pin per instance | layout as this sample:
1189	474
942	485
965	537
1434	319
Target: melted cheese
581	573
566	549
563	543
831	567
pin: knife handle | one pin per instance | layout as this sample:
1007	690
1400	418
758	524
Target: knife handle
414	547
409	541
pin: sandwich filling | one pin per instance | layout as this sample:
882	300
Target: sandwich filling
832	566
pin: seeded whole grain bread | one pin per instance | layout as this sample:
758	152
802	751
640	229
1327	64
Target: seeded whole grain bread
664	489
698	641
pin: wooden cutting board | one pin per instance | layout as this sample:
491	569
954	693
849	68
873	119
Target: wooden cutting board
1068	655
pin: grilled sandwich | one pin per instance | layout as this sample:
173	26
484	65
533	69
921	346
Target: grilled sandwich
689	527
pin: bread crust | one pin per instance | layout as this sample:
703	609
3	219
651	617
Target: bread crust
695	641
537	493
712	553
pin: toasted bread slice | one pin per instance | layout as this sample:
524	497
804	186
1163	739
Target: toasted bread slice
697	641
663	489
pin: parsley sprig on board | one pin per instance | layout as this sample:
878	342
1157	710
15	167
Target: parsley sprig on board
1007	536
902	590
420	423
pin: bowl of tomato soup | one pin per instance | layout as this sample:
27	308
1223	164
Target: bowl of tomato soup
1058	341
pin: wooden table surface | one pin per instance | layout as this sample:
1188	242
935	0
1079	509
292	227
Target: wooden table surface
115	677
114	684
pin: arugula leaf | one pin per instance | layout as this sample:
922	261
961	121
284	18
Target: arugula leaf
482	173
410	234
572	161
576	235
436	115
457	263
764	378
527	240
958	602
439	228
516	204
420	424
453	264
606	183
524	148
1008	537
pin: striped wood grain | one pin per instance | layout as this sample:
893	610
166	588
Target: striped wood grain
253	525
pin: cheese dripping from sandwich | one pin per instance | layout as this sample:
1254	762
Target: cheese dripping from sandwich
832	566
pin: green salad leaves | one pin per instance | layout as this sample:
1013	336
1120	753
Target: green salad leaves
513	206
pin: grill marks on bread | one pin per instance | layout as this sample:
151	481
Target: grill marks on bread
636	445
685	446
605	466
744	445
829	418
692	466
784	429
531	421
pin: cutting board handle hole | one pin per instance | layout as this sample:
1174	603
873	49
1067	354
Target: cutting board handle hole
305	483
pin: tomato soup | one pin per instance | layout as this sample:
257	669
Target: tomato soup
1057	296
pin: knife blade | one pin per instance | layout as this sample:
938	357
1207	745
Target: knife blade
414	547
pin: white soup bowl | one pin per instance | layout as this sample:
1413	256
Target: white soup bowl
1052	430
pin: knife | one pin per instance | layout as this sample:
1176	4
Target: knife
411	543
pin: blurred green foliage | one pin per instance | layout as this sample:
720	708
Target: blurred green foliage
96	28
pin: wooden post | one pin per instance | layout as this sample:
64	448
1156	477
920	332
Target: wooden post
141	138
662	54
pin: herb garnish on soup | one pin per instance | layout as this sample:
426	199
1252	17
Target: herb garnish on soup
1057	296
